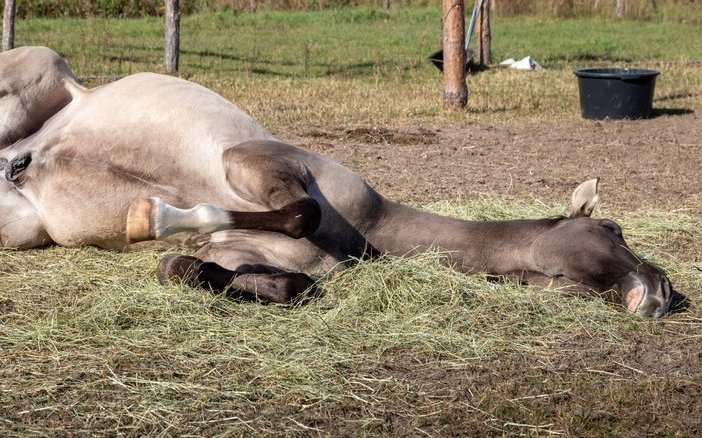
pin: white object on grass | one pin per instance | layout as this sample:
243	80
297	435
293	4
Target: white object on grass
526	63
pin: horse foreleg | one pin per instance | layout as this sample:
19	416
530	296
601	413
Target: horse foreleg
279	287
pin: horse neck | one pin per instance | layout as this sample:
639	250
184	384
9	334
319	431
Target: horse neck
497	247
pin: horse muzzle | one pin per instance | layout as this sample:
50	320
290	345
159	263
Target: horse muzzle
646	295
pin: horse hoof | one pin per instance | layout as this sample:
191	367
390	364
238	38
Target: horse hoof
140	223
176	268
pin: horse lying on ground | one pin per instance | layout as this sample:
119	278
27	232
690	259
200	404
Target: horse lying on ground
145	149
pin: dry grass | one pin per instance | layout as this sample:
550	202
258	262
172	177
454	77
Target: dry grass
498	96
90	343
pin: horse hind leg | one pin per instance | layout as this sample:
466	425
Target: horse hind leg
256	282
262	172
266	174
154	219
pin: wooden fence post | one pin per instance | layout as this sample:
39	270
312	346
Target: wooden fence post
455	89
484	37
171	49
8	25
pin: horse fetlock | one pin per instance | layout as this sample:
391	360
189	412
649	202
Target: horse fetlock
207	218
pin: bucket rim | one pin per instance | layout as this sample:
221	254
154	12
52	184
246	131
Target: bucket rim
616	73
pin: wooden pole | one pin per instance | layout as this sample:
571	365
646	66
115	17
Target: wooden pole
620	8
455	89
8	25
171	49
485	39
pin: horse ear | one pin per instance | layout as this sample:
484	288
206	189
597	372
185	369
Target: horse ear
584	198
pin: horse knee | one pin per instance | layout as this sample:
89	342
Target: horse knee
301	218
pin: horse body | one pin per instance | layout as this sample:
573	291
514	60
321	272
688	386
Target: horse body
147	135
125	162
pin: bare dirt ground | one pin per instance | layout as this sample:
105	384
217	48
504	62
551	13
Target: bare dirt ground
654	162
648	385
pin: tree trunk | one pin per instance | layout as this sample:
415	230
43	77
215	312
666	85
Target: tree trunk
485	41
455	89
620	8
8	25
171	49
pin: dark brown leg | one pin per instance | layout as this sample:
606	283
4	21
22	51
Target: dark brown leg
282	288
297	219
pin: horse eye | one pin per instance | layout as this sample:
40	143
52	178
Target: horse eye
611	226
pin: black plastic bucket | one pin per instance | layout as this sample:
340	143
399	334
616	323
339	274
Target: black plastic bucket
616	93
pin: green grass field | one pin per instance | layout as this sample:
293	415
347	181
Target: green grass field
287	67
91	345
